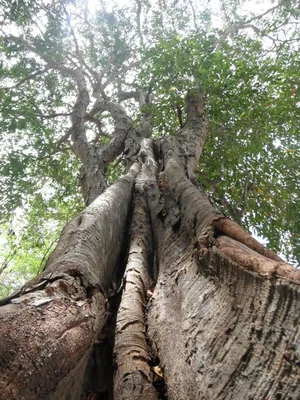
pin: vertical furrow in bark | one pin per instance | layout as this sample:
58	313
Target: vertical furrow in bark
91	243
48	328
224	332
227	329
133	377
98	380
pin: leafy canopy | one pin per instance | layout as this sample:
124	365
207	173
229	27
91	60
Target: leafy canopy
246	61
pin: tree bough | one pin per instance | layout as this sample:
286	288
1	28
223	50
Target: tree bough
151	292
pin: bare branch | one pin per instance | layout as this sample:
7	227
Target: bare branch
122	96
138	21
80	143
114	75
92	74
50	63
243	25
54	115
28	78
244	198
194	15
64	138
260	16
259	32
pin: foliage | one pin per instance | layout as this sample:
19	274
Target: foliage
247	63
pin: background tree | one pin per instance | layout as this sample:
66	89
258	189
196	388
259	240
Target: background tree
124	94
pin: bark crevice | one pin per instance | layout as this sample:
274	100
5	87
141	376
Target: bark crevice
206	312
133	375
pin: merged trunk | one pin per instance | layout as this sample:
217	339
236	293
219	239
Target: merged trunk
206	311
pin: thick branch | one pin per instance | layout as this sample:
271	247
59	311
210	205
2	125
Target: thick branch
138	21
252	261
122	96
50	63
122	126
188	144
80	144
233	230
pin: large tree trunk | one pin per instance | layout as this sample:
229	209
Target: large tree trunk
206	312
48	328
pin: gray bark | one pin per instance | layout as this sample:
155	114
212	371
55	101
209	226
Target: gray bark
221	320
133	375
48	327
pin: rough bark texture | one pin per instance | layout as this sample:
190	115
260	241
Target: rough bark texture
224	333
91	242
46	336
133	376
221	320
48	327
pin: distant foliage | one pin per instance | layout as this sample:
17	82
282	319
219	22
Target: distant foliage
246	57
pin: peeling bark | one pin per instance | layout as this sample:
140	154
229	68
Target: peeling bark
133	376
66	305
222	321
233	230
224	332
46	337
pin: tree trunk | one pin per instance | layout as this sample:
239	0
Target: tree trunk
48	328
206	312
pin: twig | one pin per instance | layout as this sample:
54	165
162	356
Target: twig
241	25
39	53
138	21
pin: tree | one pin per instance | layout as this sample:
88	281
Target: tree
152	292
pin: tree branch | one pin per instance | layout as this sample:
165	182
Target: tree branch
50	63
122	125
242	25
122	96
80	143
194	15
195	109
29	77
80	58
55	115
138	21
